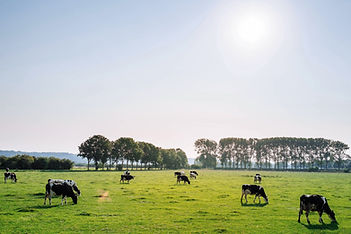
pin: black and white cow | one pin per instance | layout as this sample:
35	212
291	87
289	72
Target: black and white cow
257	178
256	190
179	173
60	189
194	172
317	203
126	172
192	175
126	178
70	182
10	176
183	178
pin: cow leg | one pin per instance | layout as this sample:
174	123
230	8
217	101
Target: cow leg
255	198
246	197
46	196
308	220
259	199
320	216
5	179
242	194
300	213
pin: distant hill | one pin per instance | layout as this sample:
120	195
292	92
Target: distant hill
72	157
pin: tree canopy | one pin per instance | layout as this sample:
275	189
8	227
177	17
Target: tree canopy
126	150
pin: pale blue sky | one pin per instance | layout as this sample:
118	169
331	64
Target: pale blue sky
170	72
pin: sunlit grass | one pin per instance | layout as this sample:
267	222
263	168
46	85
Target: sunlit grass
153	202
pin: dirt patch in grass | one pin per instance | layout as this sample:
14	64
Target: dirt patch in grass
104	196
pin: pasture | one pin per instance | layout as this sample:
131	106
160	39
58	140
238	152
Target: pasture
153	202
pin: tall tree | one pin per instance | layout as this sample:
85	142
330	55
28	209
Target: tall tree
96	148
125	148
207	149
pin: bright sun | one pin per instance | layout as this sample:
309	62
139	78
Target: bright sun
252	30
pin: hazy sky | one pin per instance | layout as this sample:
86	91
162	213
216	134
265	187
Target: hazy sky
170	72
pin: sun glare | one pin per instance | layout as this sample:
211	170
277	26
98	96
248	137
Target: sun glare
252	29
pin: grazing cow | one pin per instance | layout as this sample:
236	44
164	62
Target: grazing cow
126	178
257	178
183	178
192	175
315	203
63	189
10	176
69	182
256	190
179	173
126	172
194	172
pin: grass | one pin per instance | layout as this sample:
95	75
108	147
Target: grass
153	202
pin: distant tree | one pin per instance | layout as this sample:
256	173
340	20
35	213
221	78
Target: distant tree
40	163
3	160
339	149
125	148
53	163
96	148
86	151
66	164
207	149
24	161
181	159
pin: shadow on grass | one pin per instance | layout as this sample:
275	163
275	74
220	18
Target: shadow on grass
43	206
254	204
37	194
331	226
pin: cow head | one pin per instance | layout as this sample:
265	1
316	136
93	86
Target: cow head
75	199
331	215
263	194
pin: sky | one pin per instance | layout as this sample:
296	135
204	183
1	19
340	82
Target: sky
171	72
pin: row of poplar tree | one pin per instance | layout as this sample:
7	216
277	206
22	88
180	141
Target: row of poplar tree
276	153
125	152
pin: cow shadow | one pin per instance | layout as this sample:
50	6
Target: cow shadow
37	195
330	226
43	206
254	204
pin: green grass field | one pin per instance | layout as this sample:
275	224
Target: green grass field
153	202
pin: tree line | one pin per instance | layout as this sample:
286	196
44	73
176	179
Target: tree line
31	162
126	152
273	153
